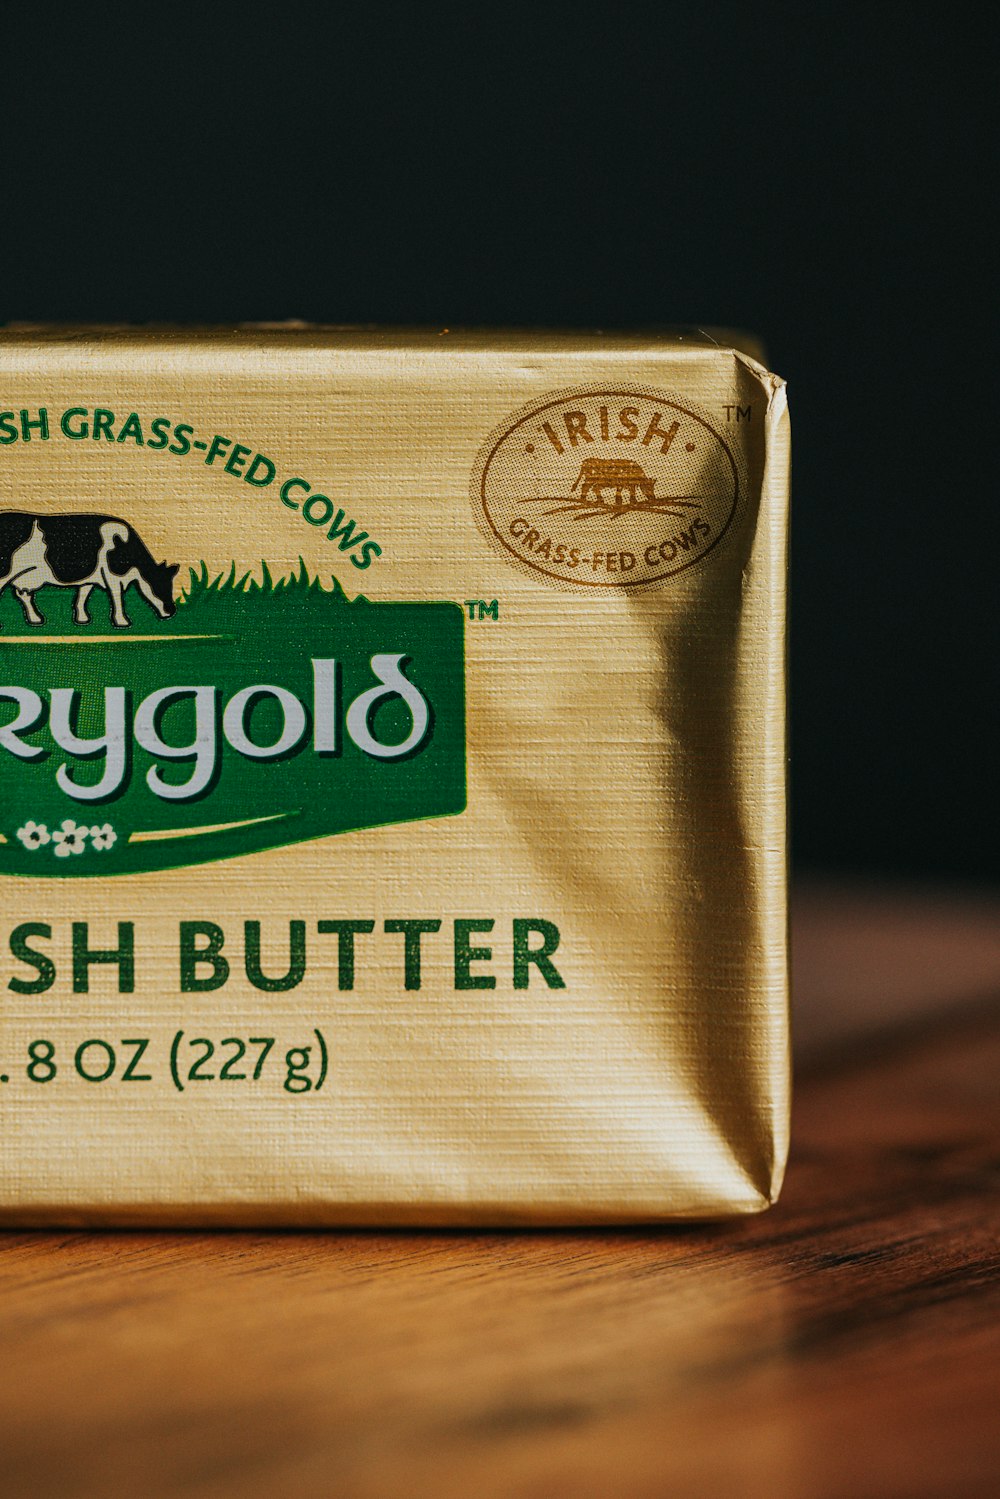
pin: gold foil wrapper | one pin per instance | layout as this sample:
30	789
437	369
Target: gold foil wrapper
600	1030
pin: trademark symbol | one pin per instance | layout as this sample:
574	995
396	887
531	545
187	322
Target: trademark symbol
742	413
481	609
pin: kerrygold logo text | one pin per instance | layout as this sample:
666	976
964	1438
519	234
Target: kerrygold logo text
243	714
318	723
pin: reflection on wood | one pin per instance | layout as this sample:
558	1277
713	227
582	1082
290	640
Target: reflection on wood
845	1344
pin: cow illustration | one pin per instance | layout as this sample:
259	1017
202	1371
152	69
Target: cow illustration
598	474
82	552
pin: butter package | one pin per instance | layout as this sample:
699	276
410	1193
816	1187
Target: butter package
392	761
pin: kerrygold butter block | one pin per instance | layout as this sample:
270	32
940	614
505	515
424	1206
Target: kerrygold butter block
392	825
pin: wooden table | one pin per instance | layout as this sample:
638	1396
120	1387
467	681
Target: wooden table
846	1344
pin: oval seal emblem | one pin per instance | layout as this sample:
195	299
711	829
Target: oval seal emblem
607	488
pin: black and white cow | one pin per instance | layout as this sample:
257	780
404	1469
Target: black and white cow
81	552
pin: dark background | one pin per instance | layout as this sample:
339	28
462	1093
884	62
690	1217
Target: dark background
822	181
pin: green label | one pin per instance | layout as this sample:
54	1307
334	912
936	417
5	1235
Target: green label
256	714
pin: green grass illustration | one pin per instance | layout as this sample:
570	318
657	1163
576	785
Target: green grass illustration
207	604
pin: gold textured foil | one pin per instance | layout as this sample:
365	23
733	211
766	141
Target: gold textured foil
625	781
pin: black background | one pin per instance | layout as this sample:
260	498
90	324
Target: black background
822	180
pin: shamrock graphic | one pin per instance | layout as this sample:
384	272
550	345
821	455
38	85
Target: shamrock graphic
70	839
103	837
34	834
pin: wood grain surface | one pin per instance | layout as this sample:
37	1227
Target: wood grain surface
846	1344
